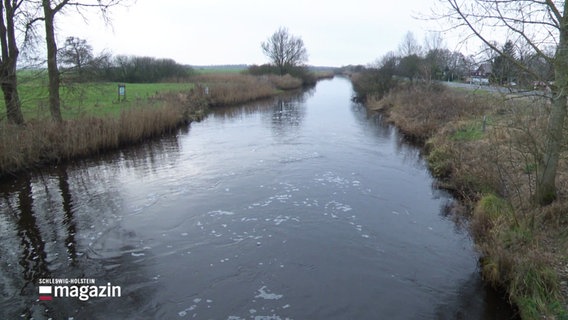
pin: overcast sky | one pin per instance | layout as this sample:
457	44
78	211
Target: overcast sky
207	32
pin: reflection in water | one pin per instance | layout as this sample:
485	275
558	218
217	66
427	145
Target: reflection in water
287	115
297	207
150	156
33	257
376	124
43	234
68	220
473	301
257	107
24	257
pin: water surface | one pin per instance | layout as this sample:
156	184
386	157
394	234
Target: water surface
302	207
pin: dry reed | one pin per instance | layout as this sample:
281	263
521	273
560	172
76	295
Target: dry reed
228	89
486	149
43	141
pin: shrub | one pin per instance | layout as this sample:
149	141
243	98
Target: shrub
132	69
299	72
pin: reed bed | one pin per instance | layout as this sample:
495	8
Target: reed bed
45	141
485	149
229	89
42	141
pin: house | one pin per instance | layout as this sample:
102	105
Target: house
483	71
481	74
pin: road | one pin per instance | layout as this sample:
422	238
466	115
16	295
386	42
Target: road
495	89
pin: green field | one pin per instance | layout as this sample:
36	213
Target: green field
95	98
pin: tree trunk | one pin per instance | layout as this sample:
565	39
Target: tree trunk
11	98
8	77
546	180
52	70
546	183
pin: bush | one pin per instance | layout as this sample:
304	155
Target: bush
299	72
263	69
133	69
373	83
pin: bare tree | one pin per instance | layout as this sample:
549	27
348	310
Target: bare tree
50	9
539	24
409	46
285	50
76	55
9	60
433	41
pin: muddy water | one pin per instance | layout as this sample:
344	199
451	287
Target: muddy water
302	207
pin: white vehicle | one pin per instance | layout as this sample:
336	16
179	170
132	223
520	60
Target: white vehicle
479	81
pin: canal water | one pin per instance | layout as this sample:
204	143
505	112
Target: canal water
301	207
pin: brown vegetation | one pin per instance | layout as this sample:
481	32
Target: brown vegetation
44	141
227	89
485	148
432	107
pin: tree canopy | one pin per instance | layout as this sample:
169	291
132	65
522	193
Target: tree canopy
285	50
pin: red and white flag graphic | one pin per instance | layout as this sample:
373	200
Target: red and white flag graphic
45	293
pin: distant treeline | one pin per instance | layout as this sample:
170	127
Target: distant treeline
144	70
130	69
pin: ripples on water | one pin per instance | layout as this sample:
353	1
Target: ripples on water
299	208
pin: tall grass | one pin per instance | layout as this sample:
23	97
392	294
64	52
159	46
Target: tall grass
44	141
420	110
227	89
159	111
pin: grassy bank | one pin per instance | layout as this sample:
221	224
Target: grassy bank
483	148
91	98
95	121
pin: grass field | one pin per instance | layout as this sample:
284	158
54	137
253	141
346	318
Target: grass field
98	99
94	99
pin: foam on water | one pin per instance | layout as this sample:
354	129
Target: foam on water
272	317
255	219
333	179
217	213
336	206
197	302
265	294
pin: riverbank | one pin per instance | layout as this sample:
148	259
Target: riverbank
42	141
483	147
291	188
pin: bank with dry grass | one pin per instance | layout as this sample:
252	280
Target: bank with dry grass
230	88
42	141
484	148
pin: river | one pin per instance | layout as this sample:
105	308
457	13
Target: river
301	207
